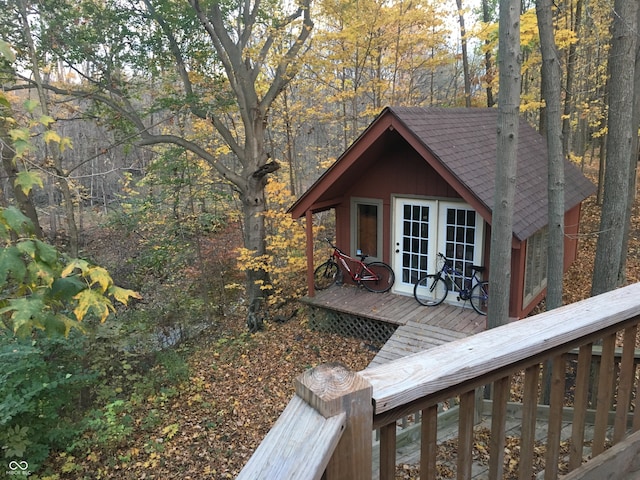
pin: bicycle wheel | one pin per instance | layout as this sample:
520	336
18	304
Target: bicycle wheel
325	275
430	290
480	297
384	280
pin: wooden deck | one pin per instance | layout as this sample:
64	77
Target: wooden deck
419	327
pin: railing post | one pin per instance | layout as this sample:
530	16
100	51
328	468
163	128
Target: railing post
332	389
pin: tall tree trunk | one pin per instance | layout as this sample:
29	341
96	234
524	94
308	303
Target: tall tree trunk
488	62
509	65
253	207
633	159
289	154
551	85
620	143
253	110
569	97
61	177
465	57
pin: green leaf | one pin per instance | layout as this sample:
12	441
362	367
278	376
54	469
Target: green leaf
66	288
3	99
11	264
21	147
40	271
30	105
61	324
17	221
27	179
6	51
27	313
17	440
28	247
46	252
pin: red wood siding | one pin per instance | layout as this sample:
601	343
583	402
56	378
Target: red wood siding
397	170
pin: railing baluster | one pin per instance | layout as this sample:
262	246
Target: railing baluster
429	443
580	401
636	406
388	451
558	373
529	413
501	392
627	372
604	394
465	434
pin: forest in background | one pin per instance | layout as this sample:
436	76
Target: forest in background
137	166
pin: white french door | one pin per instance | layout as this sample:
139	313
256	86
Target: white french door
423	228
415	238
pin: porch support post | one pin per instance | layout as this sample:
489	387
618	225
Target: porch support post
308	215
333	389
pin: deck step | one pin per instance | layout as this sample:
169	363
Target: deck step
413	338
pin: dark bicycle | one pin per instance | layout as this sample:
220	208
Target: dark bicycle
431	290
376	277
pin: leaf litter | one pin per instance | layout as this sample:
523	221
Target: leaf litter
240	383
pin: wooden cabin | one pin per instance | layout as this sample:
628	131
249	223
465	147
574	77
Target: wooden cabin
419	181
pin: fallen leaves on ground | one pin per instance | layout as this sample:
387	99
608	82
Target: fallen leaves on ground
240	383
211	424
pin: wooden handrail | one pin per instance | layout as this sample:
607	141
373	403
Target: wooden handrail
378	396
299	445
489	355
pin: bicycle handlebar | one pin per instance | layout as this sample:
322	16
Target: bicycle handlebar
333	246
362	255
449	263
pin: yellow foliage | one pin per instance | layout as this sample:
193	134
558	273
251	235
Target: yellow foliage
285	260
170	430
327	162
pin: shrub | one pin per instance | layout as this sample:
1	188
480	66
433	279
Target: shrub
40	384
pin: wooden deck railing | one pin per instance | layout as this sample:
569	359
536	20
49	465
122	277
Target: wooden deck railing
327	428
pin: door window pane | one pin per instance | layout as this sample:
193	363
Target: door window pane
460	246
415	242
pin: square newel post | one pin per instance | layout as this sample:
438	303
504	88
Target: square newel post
333	389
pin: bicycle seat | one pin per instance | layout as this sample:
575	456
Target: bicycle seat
478	268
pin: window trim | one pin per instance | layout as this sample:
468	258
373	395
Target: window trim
536	245
355	201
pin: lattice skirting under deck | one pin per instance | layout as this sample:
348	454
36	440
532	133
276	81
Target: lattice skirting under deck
373	331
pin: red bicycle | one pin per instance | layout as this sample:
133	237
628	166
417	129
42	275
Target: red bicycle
376	277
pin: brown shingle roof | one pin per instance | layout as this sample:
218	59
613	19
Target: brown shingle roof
464	141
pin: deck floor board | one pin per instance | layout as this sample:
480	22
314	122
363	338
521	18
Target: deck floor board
419	327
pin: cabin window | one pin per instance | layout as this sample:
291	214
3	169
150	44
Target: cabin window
535	275
366	220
